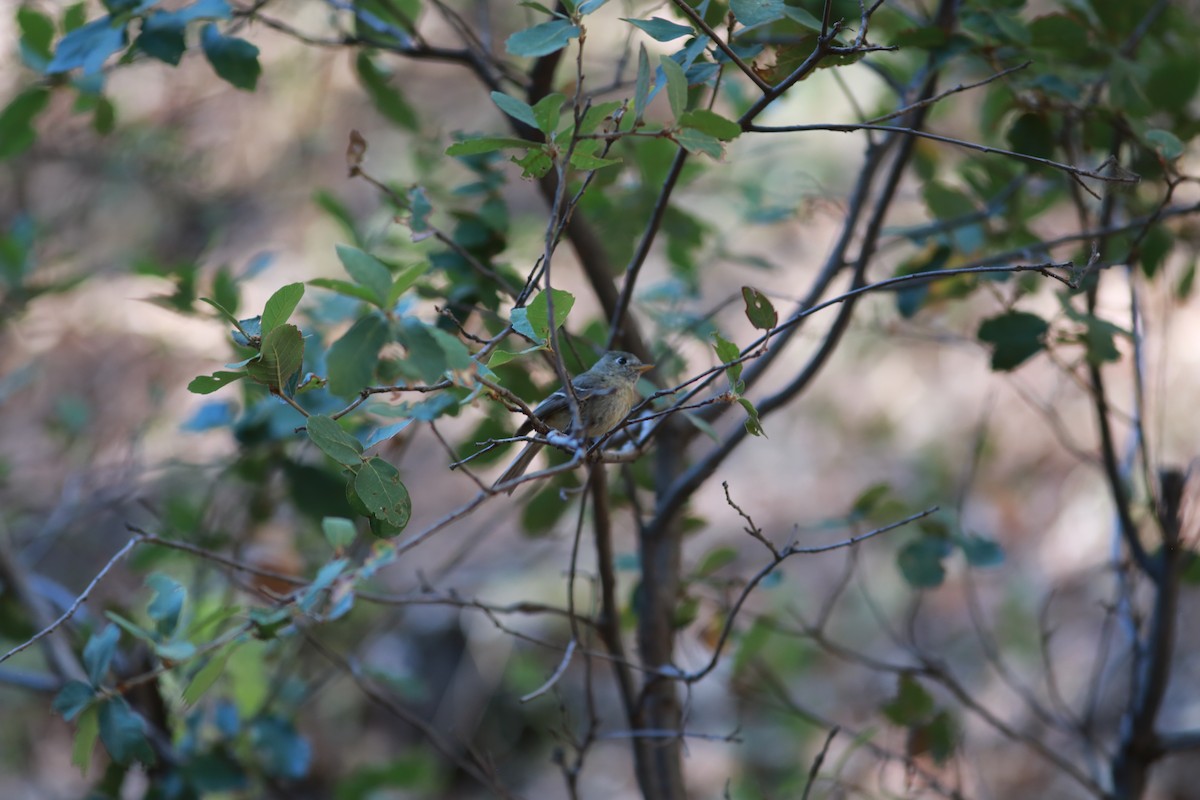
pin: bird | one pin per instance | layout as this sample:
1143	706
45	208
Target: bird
606	394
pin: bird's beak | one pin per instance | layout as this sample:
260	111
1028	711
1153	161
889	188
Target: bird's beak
644	368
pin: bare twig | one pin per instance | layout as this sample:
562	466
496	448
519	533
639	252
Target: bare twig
699	22
555	676
79	601
816	765
1078	172
790	550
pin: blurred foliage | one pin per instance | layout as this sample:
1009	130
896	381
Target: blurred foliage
1068	97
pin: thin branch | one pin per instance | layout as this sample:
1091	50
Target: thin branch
928	101
750	528
555	676
79	601
816	765
473	766
1078	172
790	550
699	22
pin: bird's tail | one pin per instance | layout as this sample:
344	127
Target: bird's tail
517	468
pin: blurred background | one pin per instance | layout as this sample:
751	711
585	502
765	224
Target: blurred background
196	188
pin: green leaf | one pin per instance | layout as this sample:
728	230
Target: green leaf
927	38
167	605
920	561
677	85
1183	288
661	29
88	47
201	9
543	39
981	552
487	144
802	18
74	17
405	281
86	731
367	271
352	359
535	164
123	733
871	497
714	560
641	93
1165	143
132	628
98	653
543	510
424	351
37	31
946	202
756	12
458	357
695	141
225	290
1032	135
74	697
590	163
414	771
501	357
912	705
339	532
281	356
280	306
517	109
711	123
753	423
207	384
234	60
345	287
759	310
419	209
537	7
325	578
728	351
163	37
1015	336
1099	340
751	643
387	99
16	121
1065	34
547	113
533	320
939	736
911	297
378	485
175	651
1156	246
204	679
333	441
283	752
339	213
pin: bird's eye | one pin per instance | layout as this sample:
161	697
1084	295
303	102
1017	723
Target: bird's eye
622	360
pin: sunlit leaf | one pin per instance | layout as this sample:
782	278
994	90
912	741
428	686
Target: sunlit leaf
333	441
542	39
661	29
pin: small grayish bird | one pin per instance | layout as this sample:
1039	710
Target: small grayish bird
606	394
